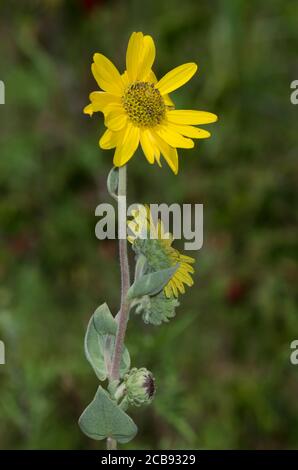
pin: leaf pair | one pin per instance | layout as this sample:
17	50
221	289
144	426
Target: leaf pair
103	418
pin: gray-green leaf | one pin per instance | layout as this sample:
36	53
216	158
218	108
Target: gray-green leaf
94	350
99	343
151	284
104	321
103	418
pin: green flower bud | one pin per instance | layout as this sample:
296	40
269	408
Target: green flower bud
140	386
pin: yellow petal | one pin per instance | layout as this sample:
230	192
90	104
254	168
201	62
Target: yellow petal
174	288
179	285
176	78
106	75
125	79
190	117
168	290
186	267
117	107
174	138
190	131
169	153
99	102
187	271
146	144
157	157
128	146
140	56
187	279
179	275
151	78
115	120
109	140
168	101
148	57
187	259
103	98
88	109
133	54
155	147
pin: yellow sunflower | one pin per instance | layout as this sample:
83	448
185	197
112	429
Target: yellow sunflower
155	244
138	110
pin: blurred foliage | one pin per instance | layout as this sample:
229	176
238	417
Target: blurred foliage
222	365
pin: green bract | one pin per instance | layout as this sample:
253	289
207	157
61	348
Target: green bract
157	309
140	386
156	257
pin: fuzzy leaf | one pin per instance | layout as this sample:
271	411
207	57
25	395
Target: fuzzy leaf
99	343
104	321
103	418
94	350
151	284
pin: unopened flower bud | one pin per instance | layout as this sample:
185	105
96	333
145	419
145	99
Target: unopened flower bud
140	386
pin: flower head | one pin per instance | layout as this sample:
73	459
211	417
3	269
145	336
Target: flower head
155	244
140	386
138	109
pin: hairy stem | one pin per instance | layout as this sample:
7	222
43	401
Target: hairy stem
111	444
125	284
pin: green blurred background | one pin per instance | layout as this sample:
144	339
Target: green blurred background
222	365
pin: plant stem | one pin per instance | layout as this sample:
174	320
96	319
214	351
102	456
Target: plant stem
111	444
125	284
